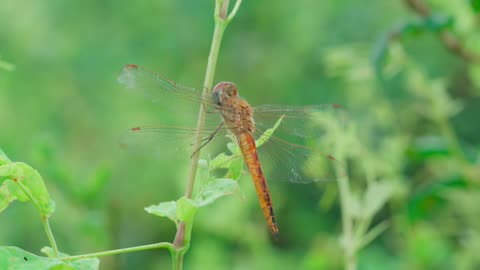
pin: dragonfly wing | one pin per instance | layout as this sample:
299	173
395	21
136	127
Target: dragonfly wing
162	142
297	121
154	86
293	150
296	163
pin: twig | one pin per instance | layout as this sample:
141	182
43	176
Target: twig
119	251
449	40
222	18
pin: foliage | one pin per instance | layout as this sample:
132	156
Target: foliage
405	198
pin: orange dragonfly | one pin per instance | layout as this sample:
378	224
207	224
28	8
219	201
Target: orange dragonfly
246	124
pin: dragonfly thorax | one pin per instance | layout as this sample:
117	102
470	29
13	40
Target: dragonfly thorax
237	114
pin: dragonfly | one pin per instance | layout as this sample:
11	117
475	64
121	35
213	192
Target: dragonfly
245	124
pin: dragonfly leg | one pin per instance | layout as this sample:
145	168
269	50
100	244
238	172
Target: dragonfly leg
208	139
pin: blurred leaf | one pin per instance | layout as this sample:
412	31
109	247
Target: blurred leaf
433	23
186	210
372	234
84	264
235	169
29	184
214	190
221	161
475	5
429	146
17	259
428	248
3	158
62	267
6	65
422	204
9	192
438	22
376	196
164	209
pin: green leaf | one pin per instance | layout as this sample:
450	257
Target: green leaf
235	168
268	133
475	5
222	161
438	22
9	192
28	184
6	65
186	210
376	196
164	209
3	158
14	258
214	190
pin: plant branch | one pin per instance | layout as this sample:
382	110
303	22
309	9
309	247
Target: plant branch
221	22
234	10
45	222
166	245
347	219
51	239
449	40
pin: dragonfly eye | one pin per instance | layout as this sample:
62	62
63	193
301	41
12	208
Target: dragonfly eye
216	97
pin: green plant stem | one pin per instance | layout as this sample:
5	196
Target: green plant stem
166	245
349	245
221	22
51	239
45	222
177	260
208	83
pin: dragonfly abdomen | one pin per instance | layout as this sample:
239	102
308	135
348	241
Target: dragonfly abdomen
249	151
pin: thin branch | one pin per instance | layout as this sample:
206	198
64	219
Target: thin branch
449	40
221	22
234	10
45	222
166	245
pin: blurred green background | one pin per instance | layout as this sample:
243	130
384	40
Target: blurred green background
413	106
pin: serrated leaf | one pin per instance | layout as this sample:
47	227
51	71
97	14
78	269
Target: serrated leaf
214	190
14	258
186	210
28	184
164	209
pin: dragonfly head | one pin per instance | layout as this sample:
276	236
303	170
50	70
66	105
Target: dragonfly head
223	91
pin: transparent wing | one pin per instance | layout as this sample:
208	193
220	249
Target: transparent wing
298	150
181	104
297	120
167	141
154	86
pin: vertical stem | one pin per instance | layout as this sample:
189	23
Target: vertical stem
45	222
347	219
222	18
208	83
51	239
